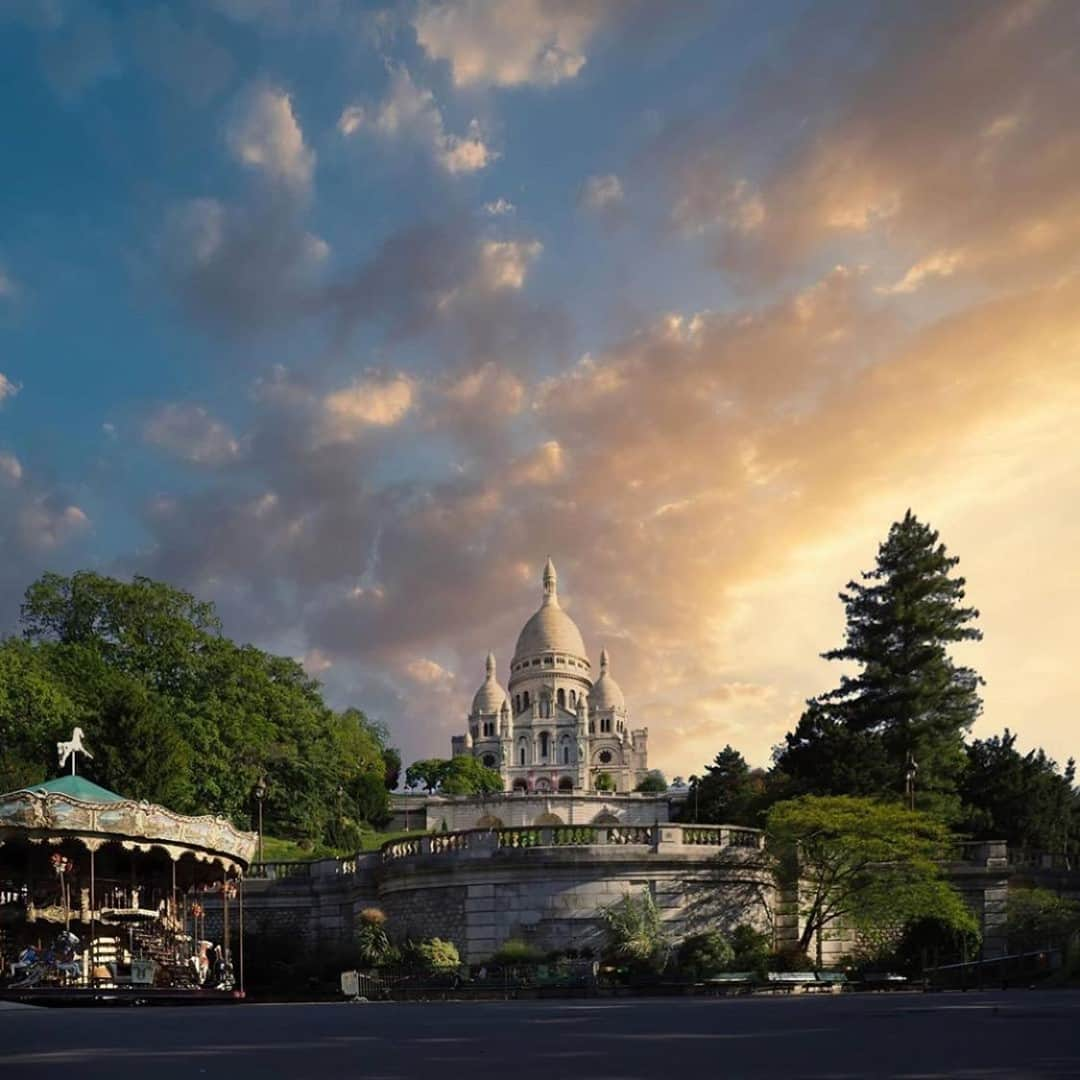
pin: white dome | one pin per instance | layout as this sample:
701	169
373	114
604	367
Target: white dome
606	692
550	629
491	697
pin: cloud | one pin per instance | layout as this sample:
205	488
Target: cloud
427	671
45	526
410	112
505	263
11	469
538	42
602	192
934	133
372	401
191	434
8	389
265	135
9	287
941	264
500	207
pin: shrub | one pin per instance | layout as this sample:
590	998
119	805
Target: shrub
605	782
436	954
372	942
751	948
635	932
653	783
703	955
515	951
790	959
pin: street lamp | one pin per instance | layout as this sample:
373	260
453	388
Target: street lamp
694	781
260	794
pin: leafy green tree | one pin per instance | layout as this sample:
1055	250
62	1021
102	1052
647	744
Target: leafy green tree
465	775
177	713
35	712
436	955
1021	798
874	865
391	768
908	698
428	773
653	783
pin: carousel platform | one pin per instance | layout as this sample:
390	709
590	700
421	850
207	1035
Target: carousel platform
76	997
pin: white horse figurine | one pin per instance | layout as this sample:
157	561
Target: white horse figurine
74	745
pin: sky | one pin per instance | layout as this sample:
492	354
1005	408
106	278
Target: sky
346	316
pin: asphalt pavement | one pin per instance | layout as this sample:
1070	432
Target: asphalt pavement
1004	1036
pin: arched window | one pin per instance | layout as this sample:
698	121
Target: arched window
525	699
517	704
521	755
560	696
573	699
566	754
566	783
543	745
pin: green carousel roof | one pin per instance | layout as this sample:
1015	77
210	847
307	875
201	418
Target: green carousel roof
75	787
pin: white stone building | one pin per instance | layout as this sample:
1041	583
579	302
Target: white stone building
554	729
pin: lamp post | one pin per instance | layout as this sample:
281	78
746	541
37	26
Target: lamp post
260	794
694	781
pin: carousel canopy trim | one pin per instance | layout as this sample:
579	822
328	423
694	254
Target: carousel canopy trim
71	807
77	787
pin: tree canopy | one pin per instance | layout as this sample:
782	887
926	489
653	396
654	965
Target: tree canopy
909	700
874	865
177	713
462	775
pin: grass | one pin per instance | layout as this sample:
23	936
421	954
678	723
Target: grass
278	849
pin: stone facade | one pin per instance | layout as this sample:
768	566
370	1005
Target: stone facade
521	809
556	729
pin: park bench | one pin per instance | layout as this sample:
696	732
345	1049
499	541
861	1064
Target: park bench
793	982
729	982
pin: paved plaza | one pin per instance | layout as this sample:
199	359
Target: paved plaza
1004	1036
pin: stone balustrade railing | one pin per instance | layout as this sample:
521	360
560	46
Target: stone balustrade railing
658	837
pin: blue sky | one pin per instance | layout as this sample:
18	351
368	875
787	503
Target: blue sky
346	316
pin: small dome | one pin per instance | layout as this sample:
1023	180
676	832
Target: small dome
491	697
606	692
550	629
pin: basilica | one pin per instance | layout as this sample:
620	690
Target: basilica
555	728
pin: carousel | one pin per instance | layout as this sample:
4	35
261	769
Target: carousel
105	897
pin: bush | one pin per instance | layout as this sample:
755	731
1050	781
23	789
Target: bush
653	783
790	959
701	956
514	951
751	947
372	942
435	954
635	932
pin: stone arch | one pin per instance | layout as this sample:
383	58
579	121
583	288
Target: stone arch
549	818
489	821
566	783
521	784
605	817
560	697
542	784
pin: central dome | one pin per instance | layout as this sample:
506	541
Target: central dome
550	629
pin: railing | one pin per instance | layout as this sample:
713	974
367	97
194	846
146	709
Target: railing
279	871
548	836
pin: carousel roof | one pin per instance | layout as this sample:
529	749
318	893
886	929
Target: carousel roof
72	807
77	787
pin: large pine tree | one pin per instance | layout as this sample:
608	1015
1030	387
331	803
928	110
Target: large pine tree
908	697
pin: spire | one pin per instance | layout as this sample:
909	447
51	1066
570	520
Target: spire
490	665
551	595
604	662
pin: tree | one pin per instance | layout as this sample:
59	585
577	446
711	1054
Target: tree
391	768
604	782
428	773
872	864
1040	919
653	783
174	711
1021	798
726	794
908	699
701	956
465	775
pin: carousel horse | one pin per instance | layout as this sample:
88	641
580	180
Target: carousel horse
74	745
67	950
